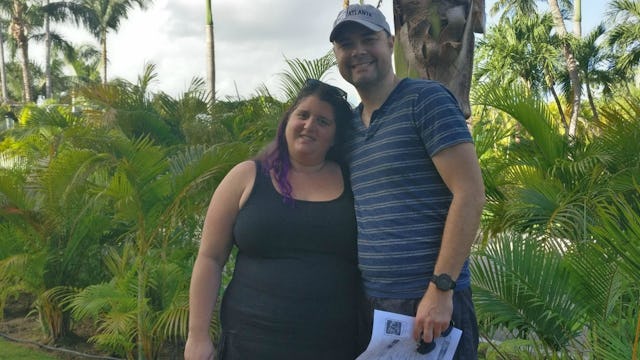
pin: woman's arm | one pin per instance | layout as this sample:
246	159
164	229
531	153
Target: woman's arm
215	246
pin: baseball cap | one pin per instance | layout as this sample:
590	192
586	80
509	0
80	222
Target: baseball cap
366	15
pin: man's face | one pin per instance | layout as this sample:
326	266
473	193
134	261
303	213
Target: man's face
363	56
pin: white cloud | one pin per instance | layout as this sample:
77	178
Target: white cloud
252	38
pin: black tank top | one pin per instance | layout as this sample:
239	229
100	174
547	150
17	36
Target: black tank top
295	284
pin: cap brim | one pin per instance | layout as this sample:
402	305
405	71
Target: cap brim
336	30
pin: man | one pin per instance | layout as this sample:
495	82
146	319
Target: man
417	185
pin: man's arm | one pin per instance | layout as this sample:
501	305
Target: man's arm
459	168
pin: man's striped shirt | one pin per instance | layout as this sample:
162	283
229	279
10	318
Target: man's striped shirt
401	202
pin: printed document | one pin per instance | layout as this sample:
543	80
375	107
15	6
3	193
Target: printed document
391	340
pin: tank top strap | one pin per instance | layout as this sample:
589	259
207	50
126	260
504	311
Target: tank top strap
263	179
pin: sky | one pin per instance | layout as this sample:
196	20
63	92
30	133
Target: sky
252	40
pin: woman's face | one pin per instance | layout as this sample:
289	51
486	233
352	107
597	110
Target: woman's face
310	130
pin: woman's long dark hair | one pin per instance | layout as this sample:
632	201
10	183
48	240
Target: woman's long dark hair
275	157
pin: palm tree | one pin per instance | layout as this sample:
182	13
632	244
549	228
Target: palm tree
568	51
99	17
50	40
149	188
20	23
151	192
27	19
139	196
552	184
595	65
133	105
564	207
55	250
521	49
624	17
84	60
513	8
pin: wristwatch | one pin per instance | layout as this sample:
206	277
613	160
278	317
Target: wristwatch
443	282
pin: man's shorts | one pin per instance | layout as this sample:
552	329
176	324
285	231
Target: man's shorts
464	318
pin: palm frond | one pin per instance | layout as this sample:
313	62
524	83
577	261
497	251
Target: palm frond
522	286
530	112
619	233
300	70
615	341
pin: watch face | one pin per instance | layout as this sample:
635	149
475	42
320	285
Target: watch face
443	282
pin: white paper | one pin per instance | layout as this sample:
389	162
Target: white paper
391	339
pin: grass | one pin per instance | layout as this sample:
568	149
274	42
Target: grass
14	351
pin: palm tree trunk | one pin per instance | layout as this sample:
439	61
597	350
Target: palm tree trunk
594	110
141	307
556	99
440	46
636	341
3	73
577	18
47	56
103	44
18	32
572	65
211	58
26	74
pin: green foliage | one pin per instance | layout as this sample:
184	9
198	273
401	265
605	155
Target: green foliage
519	51
252	121
526	287
91	200
101	204
531	113
559	262
300	70
550	184
130	107
624	16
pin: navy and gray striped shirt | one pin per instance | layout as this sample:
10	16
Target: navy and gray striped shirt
401	202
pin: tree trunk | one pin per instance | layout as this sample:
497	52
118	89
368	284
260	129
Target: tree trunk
577	18
18	32
556	99
211	58
572	65
3	71
47	56
26	74
436	41
592	104
103	45
141	308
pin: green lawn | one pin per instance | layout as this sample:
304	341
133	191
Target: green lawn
12	350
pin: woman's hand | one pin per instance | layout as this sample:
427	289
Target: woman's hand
198	349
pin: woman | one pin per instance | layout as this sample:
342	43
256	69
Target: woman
290	213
